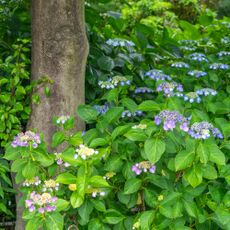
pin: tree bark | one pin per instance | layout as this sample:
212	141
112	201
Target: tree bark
59	51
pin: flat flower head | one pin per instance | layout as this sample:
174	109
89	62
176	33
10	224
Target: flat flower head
157	75
169	88
219	66
85	152
143	166
203	130
180	65
170	119
26	139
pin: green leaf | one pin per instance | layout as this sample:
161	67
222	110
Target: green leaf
172	211
209	172
30	170
98	182
12	153
33	224
66	178
132	185
95	224
85	210
87	113
120	130
154	148
114	164
76	139
216	155
190	208
76	200
129	104
18	165
62	205
57	138
146	220
203	153
194	175
184	159
113	114
54	220
113	217
149	105
98	142
106	63
136	135
99	205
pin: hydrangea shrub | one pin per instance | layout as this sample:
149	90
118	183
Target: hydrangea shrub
156	151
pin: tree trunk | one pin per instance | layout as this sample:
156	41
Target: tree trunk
59	51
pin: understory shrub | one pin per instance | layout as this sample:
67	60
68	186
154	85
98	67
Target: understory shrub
155	154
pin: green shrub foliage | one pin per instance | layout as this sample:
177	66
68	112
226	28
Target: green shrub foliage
156	151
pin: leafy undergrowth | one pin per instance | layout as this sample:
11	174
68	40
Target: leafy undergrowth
156	151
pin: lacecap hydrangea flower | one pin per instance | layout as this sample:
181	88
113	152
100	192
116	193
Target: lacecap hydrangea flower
42	203
128	113
192	97
50	185
200	57
33	181
59	160
157	75
217	66
170	119
62	119
26	139
119	42
206	92
223	53
140	126
101	109
180	65
114	82
97	192
197	73
203	130
143	90
85	152
144	166
169	88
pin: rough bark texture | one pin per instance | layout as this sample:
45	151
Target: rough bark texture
59	51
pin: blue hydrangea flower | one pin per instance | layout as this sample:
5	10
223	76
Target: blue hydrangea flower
187	48
128	113
180	65
206	92
115	42
169	88
101	109
143	90
225	40
114	82
197	73
170	119
192	97
223	53
216	66
157	75
203	130
198	57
